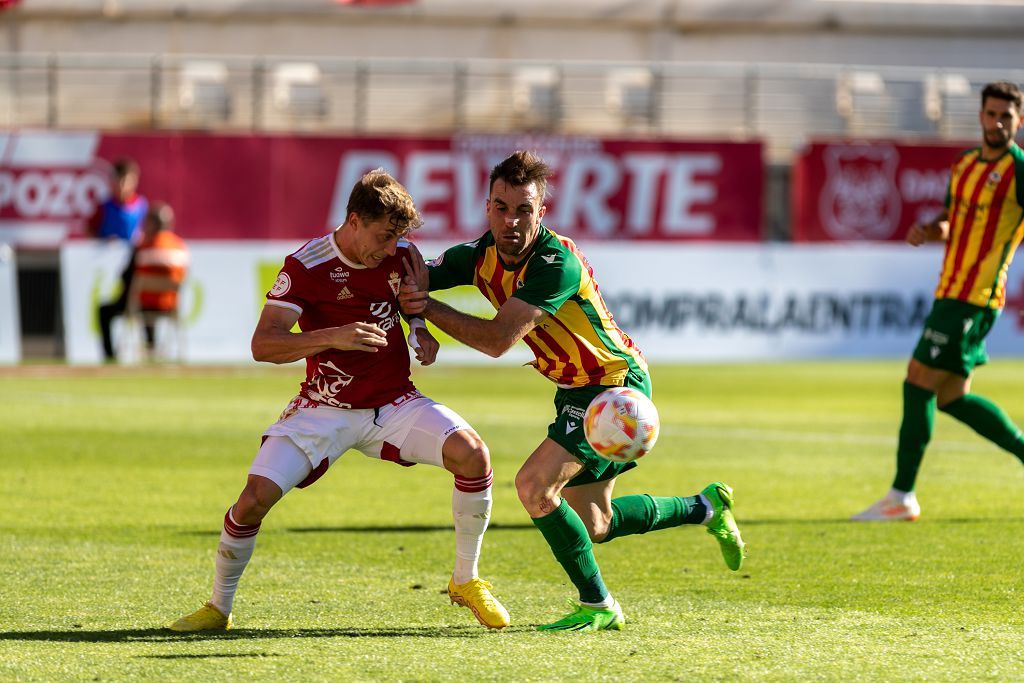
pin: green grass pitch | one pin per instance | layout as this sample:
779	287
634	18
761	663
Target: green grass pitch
113	484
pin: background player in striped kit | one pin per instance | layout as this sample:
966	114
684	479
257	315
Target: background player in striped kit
981	227
545	294
341	289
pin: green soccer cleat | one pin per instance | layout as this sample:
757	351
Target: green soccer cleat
206	618
476	595
584	618
723	525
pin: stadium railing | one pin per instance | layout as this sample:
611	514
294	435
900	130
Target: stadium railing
783	104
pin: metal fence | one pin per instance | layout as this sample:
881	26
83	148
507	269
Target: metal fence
784	104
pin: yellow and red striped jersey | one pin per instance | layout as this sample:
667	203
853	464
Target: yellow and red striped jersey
578	343
985	202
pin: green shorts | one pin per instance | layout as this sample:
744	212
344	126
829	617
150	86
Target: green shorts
954	336
567	429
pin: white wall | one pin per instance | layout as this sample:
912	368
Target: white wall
977	34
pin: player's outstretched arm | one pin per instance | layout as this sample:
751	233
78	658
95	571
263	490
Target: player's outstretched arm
935	231
274	342
494	337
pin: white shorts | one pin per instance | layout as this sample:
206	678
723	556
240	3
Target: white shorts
412	429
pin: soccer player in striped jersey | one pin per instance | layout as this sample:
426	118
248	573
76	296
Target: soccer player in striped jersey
981	226
545	293
342	290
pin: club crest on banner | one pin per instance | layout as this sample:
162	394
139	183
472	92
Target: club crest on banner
860	199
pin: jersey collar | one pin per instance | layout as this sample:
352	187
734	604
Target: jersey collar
341	257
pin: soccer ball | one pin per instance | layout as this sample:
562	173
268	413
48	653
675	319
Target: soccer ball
621	424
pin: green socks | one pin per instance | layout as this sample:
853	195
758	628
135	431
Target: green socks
915	433
565	533
643	513
988	420
978	413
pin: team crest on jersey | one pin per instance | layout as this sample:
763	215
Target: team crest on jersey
339	275
395	280
436	261
345	293
519	283
281	285
993	178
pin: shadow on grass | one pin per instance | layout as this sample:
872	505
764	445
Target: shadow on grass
161	635
212	655
744	523
408	528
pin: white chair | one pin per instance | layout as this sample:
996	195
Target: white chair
169	334
203	90
629	93
296	89
536	96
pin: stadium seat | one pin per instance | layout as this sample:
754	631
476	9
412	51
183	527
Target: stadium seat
629	93
297	90
536	97
203	90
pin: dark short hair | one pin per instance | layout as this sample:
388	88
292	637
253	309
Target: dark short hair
1003	90
161	214
378	195
522	168
125	166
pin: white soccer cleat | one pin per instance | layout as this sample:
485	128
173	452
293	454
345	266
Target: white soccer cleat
895	506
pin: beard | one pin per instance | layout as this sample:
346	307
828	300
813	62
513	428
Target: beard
997	140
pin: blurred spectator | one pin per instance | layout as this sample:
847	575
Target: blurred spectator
120	215
152	278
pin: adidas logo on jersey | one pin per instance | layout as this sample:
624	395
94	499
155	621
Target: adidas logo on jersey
345	293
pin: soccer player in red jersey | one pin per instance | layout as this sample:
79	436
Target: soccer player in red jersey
342	291
981	226
545	293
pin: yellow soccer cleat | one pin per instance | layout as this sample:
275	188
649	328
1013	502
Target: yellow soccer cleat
476	595
206	618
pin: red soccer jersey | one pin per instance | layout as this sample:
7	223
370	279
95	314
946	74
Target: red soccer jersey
328	290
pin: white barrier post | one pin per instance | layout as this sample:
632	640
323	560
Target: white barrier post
10	318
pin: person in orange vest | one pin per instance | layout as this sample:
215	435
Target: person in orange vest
157	268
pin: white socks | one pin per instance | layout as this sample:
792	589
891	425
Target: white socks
471	511
237	541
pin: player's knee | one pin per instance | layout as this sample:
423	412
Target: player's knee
465	454
537	498
259	495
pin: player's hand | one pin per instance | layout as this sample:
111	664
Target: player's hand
428	346
416	268
358	337
918	235
411	299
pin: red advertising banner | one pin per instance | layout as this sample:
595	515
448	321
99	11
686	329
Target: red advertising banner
296	187
868	190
